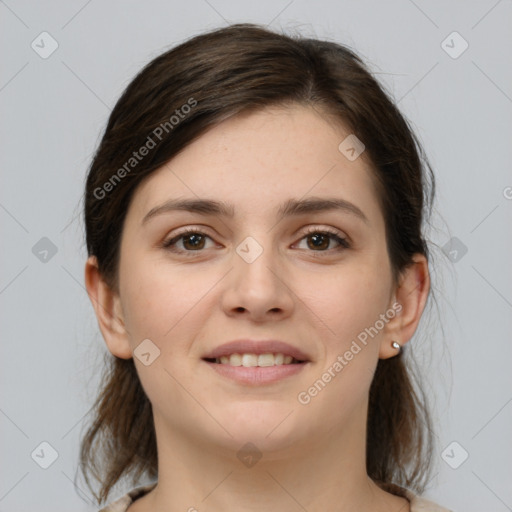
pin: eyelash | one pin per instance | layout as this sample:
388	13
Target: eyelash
334	235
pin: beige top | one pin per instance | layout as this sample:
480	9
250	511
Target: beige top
418	504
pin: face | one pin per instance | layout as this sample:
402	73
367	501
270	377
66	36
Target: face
314	279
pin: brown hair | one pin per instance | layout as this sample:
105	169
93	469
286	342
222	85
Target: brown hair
217	75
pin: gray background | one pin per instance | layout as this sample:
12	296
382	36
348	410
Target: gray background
53	112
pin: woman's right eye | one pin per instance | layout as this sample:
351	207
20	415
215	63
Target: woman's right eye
191	240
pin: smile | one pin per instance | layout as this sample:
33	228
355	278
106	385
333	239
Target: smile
252	360
256	370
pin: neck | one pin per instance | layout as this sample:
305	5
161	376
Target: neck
327	469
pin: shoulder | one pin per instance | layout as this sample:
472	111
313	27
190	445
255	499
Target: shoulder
420	504
122	504
417	503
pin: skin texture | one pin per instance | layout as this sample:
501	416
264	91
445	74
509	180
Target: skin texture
318	300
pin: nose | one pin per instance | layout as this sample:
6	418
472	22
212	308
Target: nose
258	285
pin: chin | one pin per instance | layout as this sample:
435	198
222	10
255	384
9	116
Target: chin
257	442
267	425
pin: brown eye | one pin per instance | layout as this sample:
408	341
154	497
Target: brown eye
196	241
191	241
319	240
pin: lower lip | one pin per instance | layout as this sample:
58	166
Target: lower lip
256	375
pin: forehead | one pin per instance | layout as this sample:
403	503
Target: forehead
259	160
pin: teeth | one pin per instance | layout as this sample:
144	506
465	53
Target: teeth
249	360
265	360
235	360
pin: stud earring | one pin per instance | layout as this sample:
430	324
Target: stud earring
396	345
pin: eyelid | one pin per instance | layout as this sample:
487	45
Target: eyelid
325	229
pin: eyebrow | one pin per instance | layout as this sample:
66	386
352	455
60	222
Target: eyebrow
292	207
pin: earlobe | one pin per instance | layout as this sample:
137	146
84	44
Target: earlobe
107	307
411	295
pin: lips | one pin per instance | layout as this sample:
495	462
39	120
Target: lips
257	363
247	346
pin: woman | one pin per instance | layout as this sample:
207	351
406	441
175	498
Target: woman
256	263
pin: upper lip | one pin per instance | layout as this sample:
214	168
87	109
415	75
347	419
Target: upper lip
248	346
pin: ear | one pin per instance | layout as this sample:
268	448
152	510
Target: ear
109	313
411	295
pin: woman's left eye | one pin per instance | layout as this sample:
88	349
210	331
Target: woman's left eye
320	239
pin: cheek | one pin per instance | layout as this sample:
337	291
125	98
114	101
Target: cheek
149	295
345	310
158	305
344	302
164	303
